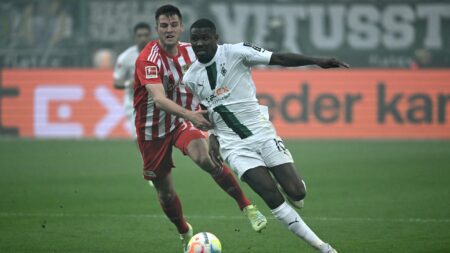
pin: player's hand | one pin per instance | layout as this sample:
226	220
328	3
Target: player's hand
214	150
327	63
198	119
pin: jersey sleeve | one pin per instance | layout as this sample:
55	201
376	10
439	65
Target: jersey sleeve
253	55
120	69
147	72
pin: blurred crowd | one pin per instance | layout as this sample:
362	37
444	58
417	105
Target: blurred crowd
82	33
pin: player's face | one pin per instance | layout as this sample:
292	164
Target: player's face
169	29
142	37
204	43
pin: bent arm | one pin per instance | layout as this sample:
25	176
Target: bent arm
163	103
297	60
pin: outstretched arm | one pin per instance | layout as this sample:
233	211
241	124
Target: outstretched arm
297	60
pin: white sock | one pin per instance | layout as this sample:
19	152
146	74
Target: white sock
288	216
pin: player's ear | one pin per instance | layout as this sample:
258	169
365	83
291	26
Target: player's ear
216	36
182	27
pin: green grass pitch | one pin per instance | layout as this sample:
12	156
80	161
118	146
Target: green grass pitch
89	196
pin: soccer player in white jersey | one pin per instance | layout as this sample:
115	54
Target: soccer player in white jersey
161	105
124	70
221	80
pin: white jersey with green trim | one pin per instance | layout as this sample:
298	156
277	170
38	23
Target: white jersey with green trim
225	86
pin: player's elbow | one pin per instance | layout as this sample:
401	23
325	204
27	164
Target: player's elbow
158	100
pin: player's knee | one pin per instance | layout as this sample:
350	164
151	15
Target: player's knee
299	195
204	161
296	192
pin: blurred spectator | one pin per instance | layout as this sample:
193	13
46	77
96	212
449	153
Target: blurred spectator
43	25
422	59
60	23
103	58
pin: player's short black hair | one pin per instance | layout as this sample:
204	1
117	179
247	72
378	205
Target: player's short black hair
141	25
167	10
204	23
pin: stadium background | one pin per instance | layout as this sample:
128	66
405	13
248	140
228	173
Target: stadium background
372	141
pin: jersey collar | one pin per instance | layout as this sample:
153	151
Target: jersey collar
164	53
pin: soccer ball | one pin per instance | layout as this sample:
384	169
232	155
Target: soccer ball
204	242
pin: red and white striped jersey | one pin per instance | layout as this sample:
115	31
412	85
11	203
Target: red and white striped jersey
155	66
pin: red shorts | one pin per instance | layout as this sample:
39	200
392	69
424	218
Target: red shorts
157	154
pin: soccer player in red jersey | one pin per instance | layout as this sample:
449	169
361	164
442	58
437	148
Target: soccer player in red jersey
166	116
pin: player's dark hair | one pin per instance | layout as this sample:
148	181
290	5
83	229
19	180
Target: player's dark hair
141	25
167	10
204	23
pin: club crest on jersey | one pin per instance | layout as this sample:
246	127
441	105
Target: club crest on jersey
185	68
223	70
151	72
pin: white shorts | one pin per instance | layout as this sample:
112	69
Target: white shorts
267	153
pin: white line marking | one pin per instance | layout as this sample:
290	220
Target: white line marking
222	217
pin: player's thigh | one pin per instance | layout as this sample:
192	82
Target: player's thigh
259	179
185	135
289	179
262	182
279	160
197	149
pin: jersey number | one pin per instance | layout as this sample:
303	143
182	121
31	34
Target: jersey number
232	122
280	145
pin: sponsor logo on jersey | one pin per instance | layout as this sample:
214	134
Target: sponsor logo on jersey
259	49
151	72
219	94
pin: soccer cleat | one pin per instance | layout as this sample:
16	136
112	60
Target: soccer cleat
299	204
151	184
326	248
186	237
257	219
